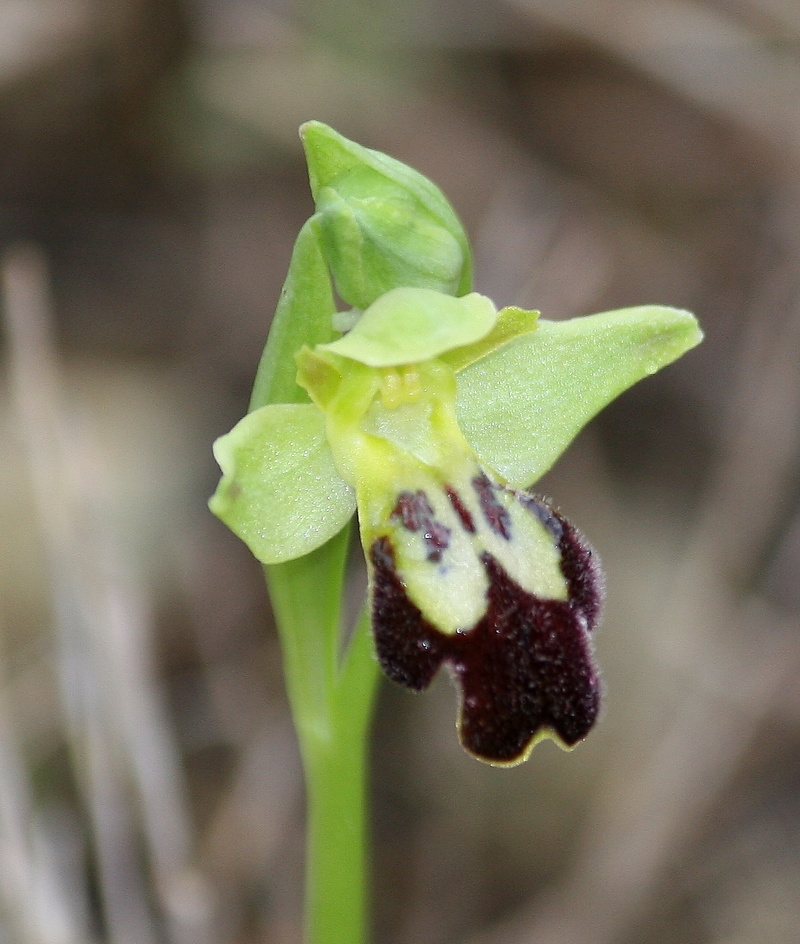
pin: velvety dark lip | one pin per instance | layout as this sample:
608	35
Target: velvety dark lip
525	667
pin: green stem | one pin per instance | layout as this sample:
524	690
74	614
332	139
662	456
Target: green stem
337	899
331	702
331	693
336	877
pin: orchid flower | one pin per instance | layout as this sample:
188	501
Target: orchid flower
432	414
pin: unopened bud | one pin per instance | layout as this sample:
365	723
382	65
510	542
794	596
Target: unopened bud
383	225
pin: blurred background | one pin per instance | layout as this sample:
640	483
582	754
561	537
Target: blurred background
602	153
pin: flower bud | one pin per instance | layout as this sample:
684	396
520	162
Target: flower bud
382	224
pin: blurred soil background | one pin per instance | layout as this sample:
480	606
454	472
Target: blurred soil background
602	153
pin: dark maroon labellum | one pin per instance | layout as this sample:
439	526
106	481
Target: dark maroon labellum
525	667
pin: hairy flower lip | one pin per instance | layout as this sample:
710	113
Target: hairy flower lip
525	669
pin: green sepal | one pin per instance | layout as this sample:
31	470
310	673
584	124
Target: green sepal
409	325
383	224
280	491
521	406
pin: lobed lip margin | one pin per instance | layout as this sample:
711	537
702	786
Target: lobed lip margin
525	669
